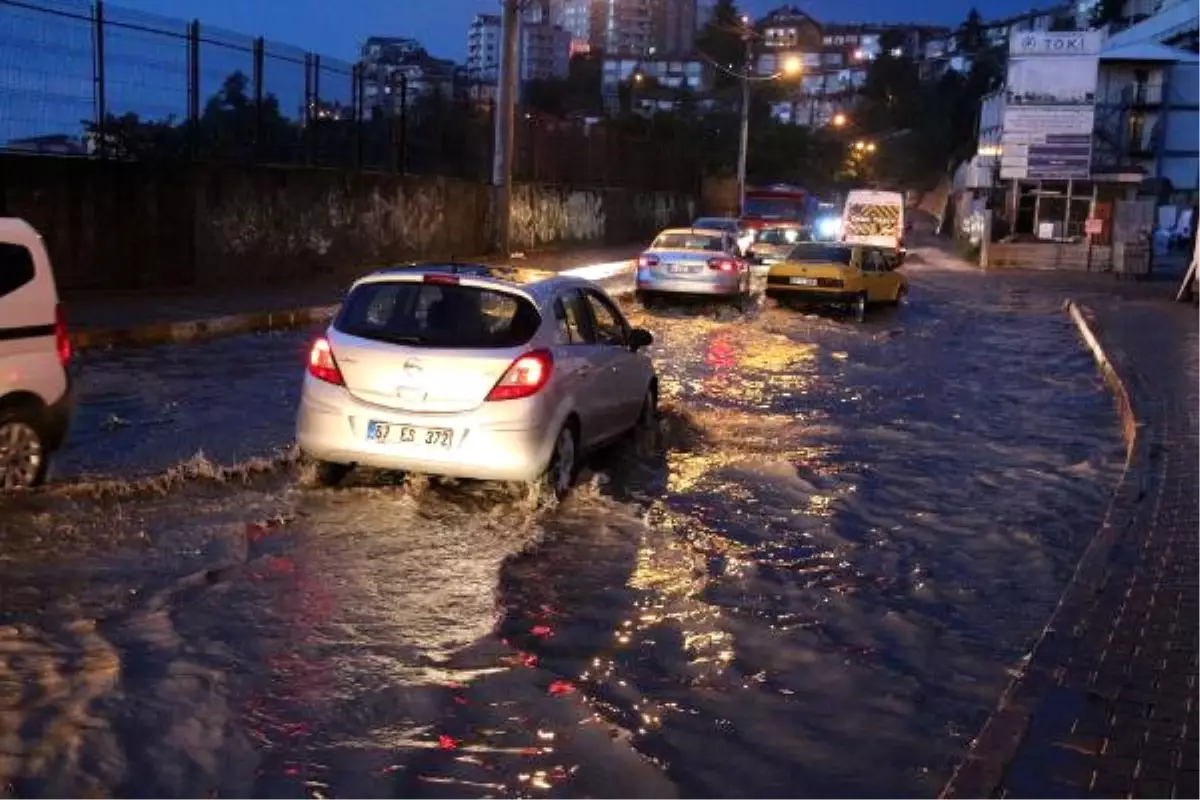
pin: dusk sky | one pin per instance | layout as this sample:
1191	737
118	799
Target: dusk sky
336	27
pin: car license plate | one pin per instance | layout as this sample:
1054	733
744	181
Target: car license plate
681	269
392	433
802	281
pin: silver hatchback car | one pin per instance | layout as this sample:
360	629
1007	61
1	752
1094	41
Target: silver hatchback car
452	370
693	261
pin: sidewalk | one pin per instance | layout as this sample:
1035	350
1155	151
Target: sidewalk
98	319
1107	706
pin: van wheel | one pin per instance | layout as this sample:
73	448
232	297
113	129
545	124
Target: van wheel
23	459
330	474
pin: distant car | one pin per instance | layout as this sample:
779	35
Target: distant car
36	399
742	235
853	276
693	261
451	370
773	244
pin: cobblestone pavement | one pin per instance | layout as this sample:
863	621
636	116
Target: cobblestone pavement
1107	706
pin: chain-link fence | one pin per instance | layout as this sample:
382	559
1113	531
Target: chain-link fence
97	80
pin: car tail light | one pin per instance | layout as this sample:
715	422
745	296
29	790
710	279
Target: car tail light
648	261
525	377
62	341
723	264
321	364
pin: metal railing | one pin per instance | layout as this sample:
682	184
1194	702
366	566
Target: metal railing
90	79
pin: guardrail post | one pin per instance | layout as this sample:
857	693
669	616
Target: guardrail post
100	94
356	102
193	81
259	63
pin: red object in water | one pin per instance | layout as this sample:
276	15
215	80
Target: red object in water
448	742
561	687
542	630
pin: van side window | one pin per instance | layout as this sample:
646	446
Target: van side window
16	267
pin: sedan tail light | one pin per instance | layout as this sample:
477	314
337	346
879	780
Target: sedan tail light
723	264
525	376
62	341
321	364
648	261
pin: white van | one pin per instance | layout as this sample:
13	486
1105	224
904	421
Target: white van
35	385
874	219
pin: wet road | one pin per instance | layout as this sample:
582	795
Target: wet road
818	585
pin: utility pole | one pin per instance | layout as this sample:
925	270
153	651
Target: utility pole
502	157
744	134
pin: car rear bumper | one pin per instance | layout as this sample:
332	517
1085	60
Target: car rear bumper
718	284
807	294
331	425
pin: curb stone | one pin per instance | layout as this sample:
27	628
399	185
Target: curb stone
252	322
982	770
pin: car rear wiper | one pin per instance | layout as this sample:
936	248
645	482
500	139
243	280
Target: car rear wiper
405	339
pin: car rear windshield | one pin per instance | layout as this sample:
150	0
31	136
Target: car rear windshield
781	236
821	254
438	315
688	241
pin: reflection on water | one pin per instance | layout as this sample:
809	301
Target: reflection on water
855	532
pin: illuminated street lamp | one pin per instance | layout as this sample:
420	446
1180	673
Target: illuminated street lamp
870	147
791	67
860	145
839	120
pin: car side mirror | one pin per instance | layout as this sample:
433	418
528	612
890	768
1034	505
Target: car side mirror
640	338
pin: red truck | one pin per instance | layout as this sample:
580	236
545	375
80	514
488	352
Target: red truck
775	206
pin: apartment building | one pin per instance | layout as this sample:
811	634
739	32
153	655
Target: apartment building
544	49
632	28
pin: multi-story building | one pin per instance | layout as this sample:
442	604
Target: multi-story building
834	58
635	28
675	26
656	84
945	52
397	67
544	49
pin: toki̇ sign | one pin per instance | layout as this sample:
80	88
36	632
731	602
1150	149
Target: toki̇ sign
1083	43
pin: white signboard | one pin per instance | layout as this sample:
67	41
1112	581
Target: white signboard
1049	113
1035	43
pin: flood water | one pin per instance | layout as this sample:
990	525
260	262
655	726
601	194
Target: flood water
816	584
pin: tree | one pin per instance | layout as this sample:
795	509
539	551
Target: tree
970	33
722	42
1109	12
128	137
233	127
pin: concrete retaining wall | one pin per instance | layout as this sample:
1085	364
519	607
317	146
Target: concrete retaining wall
151	226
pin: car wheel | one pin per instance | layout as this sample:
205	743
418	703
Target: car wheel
23	459
560	472
860	307
645	430
646	299
331	474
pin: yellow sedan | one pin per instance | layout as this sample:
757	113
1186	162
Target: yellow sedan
835	274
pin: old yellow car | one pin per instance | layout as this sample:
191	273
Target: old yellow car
836	274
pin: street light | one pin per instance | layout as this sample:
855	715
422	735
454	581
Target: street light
870	147
791	67
839	120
